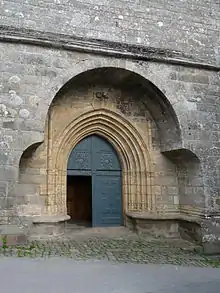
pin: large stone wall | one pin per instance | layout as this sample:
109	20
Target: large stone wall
28	89
189	26
161	179
186	39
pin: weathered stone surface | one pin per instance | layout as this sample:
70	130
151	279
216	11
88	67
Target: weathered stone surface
194	26
11	236
161	79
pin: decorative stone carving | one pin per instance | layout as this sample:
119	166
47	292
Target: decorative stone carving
128	143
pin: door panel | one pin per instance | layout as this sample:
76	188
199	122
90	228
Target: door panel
104	155
107	199
106	161
80	161
81	156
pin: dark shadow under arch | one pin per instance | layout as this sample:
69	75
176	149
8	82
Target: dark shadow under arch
190	179
25	162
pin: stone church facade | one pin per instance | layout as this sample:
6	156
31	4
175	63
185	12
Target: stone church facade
122	97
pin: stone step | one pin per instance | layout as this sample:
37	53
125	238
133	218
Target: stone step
11	235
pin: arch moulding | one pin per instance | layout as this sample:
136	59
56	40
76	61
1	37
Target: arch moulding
131	149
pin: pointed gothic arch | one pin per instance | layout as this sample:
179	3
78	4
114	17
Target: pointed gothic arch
131	149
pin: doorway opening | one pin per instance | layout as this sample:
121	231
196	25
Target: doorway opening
97	195
79	200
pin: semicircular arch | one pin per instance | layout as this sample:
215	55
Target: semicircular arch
153	98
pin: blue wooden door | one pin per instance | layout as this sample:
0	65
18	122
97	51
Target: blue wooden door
80	159
96	157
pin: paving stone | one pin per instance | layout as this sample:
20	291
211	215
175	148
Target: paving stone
130	248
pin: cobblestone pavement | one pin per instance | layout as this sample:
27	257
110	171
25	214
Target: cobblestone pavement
117	245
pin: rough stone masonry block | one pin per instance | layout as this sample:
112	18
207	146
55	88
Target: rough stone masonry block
116	20
3	189
12	235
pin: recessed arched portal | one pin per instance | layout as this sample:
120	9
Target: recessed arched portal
159	176
129	145
94	183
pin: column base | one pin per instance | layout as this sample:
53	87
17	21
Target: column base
166	226
48	227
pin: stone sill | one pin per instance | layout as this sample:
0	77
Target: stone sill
50	219
163	217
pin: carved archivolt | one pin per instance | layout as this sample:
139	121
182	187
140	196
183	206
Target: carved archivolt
131	149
